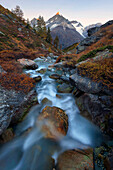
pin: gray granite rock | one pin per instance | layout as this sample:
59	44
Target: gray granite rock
12	105
85	84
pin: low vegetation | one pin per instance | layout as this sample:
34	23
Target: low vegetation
93	53
18	82
106	39
71	48
99	71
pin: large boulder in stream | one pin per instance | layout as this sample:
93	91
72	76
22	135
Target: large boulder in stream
76	160
28	64
54	122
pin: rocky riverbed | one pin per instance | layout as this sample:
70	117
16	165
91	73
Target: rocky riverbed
54	130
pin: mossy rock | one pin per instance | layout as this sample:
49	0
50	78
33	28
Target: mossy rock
54	76
37	79
42	71
64	88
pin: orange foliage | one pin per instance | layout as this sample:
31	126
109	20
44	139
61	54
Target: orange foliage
17	82
100	71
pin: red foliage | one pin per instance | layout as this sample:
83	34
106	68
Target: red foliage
18	82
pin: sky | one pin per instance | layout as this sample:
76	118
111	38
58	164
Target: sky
85	11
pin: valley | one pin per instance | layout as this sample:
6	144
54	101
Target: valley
56	97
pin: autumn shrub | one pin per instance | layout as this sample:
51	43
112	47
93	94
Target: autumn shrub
70	48
18	82
11	67
100	71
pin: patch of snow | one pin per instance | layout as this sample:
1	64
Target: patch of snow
51	21
47	24
79	29
53	26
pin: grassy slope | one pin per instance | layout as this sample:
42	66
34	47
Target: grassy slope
15	34
18	40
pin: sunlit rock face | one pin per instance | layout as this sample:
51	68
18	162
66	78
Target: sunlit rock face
28	64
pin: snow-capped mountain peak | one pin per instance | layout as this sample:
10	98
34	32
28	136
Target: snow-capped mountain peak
59	20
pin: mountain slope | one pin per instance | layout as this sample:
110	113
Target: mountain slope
102	37
85	31
79	27
18	40
16	34
65	30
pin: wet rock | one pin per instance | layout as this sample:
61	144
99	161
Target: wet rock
46	101
9	101
65	88
54	122
59	81
54	76
91	107
28	101
77	93
28	64
85	84
37	79
109	126
65	79
76	159
42	71
58	96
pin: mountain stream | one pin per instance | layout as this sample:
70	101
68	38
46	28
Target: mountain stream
29	145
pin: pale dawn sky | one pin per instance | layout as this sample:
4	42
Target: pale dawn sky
85	11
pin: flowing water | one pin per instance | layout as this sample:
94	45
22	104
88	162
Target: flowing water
29	146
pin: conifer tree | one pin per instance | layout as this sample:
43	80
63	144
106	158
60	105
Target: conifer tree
56	42
41	27
49	37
